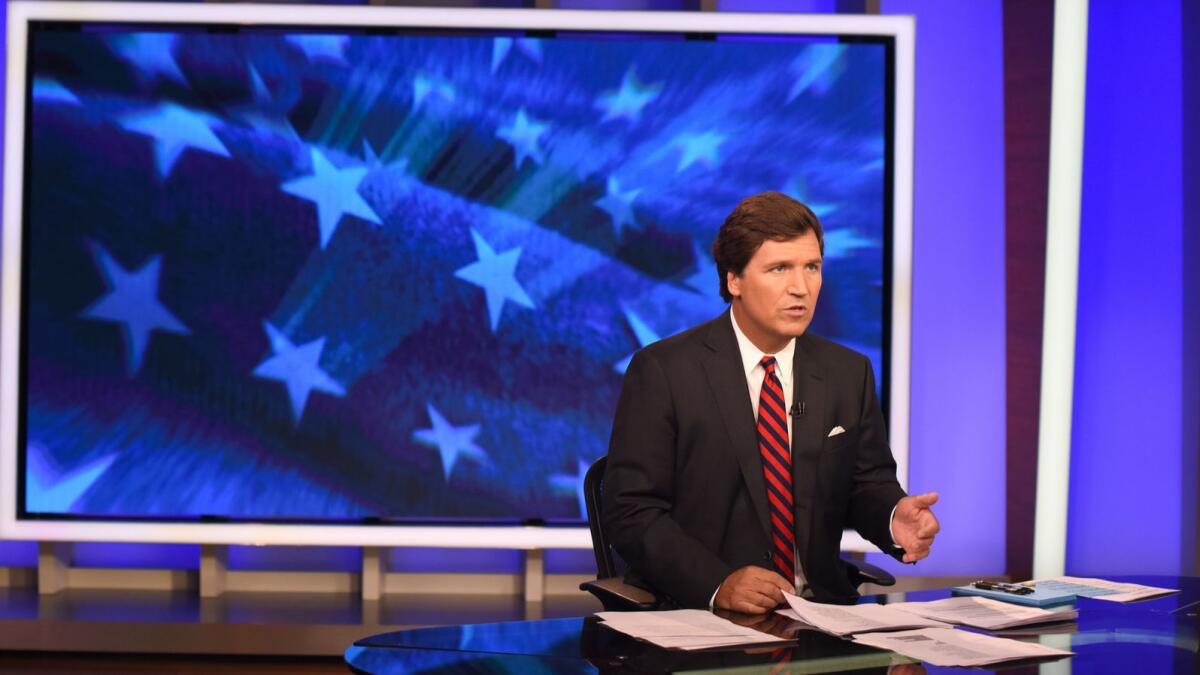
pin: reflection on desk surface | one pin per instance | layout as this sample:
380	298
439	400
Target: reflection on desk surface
1152	636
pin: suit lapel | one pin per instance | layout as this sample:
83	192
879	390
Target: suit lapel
808	433
728	381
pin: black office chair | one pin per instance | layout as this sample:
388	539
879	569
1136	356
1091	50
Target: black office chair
609	585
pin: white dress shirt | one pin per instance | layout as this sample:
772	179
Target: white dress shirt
752	364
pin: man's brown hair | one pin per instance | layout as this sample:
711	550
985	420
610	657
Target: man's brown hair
757	218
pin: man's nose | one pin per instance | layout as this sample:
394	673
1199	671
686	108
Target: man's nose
798	285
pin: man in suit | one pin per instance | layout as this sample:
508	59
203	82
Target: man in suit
742	447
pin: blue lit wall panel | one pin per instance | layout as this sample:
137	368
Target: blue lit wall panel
10	552
18	553
663	5
296	558
1124	512
570	561
151	556
1190	475
958	396
798	6
475	561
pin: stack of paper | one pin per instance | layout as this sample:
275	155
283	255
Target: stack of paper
983	612
685	629
843	620
949	647
1100	589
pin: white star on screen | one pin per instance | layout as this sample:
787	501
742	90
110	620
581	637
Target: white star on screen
495	273
322	47
797	188
619	205
573	484
628	101
502	46
298	368
46	89
266	113
335	193
49	492
374	162
818	67
523	135
174	129
450	441
641	331
132	301
152	54
424	87
698	148
839	243
704	279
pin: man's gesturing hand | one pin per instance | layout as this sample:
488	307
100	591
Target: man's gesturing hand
914	525
753	590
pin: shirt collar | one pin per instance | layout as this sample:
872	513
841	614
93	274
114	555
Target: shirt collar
751	355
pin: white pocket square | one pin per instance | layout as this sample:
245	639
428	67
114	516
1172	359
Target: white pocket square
835	431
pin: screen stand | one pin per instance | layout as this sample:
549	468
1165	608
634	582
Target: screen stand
54	562
214	570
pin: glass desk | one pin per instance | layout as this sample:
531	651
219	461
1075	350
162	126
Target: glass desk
1152	636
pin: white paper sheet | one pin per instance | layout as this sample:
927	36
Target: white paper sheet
983	613
1101	589
949	647
685	629
845	620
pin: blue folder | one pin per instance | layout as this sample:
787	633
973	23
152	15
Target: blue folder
1040	597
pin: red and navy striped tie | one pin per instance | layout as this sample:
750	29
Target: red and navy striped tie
777	469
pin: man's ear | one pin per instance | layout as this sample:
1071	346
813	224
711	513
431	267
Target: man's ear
734	283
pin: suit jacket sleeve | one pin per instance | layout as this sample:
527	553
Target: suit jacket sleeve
639	491
875	490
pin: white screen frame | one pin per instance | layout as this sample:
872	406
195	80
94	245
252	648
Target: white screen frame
20	13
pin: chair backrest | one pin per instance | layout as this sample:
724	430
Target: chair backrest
608	562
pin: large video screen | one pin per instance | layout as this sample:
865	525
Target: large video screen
336	275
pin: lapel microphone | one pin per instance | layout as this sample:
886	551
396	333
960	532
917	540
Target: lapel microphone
797	409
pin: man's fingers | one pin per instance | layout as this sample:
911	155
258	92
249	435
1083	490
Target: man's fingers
765	588
771	587
926	500
915	526
745	602
753	590
773	578
767	575
779	582
913	536
918	551
760	602
749	607
769	600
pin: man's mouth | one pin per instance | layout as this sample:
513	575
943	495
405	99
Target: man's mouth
796	310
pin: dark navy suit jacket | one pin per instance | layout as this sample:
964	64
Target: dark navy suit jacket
684	495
